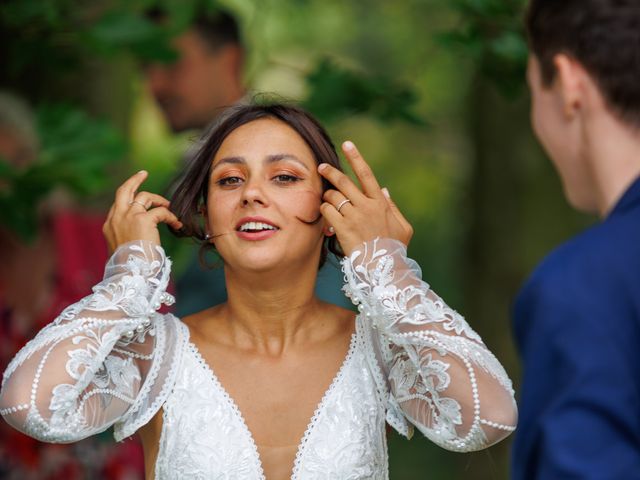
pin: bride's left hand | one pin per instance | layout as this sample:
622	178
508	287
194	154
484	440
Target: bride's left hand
359	215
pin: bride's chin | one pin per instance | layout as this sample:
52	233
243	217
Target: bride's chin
252	262
256	267
262	263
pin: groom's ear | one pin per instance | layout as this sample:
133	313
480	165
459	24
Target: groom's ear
573	84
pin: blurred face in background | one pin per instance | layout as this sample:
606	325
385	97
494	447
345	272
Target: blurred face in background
561	134
199	85
15	149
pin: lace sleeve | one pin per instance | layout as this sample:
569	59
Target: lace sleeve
430	365
106	360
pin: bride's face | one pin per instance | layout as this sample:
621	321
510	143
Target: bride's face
264	186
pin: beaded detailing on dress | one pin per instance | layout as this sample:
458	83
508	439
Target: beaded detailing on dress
437	370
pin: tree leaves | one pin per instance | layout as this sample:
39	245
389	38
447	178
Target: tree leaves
491	33
336	92
76	152
124	30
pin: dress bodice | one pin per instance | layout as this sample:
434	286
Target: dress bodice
344	439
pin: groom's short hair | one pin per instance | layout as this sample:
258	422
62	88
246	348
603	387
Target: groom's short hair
602	35
216	28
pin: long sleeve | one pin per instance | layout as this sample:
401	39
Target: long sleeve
108	359
431	366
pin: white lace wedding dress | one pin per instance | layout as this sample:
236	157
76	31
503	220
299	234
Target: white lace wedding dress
112	359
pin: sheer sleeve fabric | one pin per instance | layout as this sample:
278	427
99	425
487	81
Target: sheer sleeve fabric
108	359
432	368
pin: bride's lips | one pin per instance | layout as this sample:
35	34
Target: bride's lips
255	235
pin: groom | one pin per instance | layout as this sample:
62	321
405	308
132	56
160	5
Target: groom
577	320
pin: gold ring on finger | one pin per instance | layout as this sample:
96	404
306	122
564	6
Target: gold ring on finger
342	204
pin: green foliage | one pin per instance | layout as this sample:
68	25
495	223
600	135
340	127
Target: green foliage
123	30
127	27
336	92
59	33
45	38
35	34
491	33
38	13
76	152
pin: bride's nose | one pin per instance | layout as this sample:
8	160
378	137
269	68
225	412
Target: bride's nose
254	193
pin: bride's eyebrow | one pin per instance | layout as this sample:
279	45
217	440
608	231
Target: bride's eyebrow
278	157
285	156
232	160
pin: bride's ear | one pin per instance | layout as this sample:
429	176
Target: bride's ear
329	231
205	222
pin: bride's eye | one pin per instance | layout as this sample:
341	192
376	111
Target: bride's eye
286	178
229	181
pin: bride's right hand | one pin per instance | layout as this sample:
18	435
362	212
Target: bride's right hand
135	215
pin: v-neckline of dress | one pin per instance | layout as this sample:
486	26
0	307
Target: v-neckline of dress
231	403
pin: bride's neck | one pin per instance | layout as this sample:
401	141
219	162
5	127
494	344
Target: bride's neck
271	311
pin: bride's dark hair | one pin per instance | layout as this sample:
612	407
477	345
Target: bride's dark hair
192	186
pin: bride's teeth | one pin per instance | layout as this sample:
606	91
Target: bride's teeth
256	226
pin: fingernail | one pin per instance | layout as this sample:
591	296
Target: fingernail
348	145
322	167
142	171
385	192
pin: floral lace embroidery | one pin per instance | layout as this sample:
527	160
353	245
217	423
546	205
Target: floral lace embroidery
321	406
416	340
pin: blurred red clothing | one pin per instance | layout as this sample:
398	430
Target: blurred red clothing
81	254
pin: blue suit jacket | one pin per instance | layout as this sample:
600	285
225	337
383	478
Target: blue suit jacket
577	325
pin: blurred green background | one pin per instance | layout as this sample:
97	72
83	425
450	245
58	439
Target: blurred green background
432	91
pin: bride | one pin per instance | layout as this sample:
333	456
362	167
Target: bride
274	383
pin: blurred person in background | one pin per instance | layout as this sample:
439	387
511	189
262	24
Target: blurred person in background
206	78
193	92
577	319
37	280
